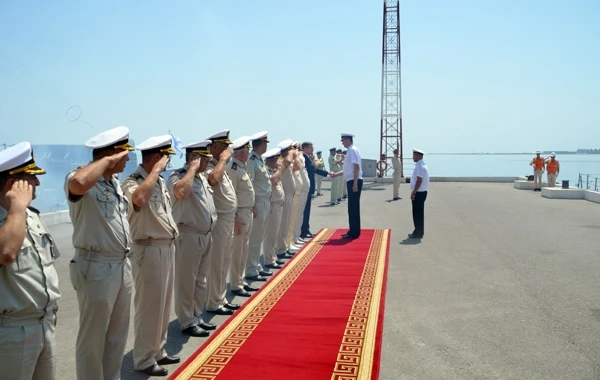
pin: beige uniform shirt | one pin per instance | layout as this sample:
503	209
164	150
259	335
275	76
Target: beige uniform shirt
260	177
197	211
155	221
304	176
223	193
241	183
333	166
29	286
396	163
287	180
277	195
319	163
100	218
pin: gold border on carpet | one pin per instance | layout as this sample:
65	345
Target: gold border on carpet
214	357
355	358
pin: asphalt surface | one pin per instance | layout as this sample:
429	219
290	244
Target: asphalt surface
505	284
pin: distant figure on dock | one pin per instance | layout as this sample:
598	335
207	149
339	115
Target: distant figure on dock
419	182
538	169
397	174
553	168
319	164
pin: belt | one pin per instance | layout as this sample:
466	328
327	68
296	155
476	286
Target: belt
101	257
16	320
148	242
193	229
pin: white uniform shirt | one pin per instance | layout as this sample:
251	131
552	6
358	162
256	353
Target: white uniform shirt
422	171
352	157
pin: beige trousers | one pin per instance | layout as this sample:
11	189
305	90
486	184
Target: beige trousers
340	186
28	349
397	179
104	287
319	182
237	272
220	261
291	227
272	232
551	179
300	215
257	236
285	220
153	277
192	265
334	188
537	178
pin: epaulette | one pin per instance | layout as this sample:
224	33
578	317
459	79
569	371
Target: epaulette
135	175
234	166
182	170
253	157
34	209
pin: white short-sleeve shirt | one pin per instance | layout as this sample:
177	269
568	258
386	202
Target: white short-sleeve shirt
422	171
352	157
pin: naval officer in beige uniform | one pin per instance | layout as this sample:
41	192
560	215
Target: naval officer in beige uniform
195	215
152	254
304	194
259	175
288	156
28	280
226	206
319	164
333	167
297	177
396	165
244	215
100	269
276	201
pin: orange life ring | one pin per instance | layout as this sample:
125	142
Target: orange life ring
382	167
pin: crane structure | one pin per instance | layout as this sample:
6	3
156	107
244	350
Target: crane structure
391	99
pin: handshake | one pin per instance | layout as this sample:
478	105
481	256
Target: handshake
333	174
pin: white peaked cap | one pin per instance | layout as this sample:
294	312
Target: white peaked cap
112	136
259	136
418	151
19	159
347	135
285	144
537	152
241	142
156	142
274	152
222	136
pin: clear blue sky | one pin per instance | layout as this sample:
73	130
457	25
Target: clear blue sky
476	75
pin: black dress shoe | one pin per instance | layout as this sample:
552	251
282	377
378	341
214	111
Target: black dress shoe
195	331
241	293
155	370
275	266
256	278
249	288
279	262
207	326
232	306
265	273
169	360
348	236
413	236
221	311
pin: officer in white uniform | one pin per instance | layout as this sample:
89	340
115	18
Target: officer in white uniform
277	201
101	270
195	215
244	215
28	280
288	156
396	165
419	183
154	231
261	182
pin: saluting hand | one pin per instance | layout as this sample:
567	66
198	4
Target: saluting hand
115	158
161	165
20	195
226	154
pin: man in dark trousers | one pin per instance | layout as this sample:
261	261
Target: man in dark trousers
307	149
419	182
352	172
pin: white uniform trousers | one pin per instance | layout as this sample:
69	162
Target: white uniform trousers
334	188
192	265
397	179
257	236
285	220
152	264
27	348
319	180
220	260
341	184
300	215
537	178
272	232
104	286
291	227
237	273
551	179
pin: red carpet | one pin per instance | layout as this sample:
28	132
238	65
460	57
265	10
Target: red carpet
320	317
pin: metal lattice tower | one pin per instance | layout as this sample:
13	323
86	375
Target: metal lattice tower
391	99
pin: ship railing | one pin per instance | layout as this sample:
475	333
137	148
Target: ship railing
589	181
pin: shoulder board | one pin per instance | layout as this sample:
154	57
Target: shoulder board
135	175
253	157
182	170
34	209
234	166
